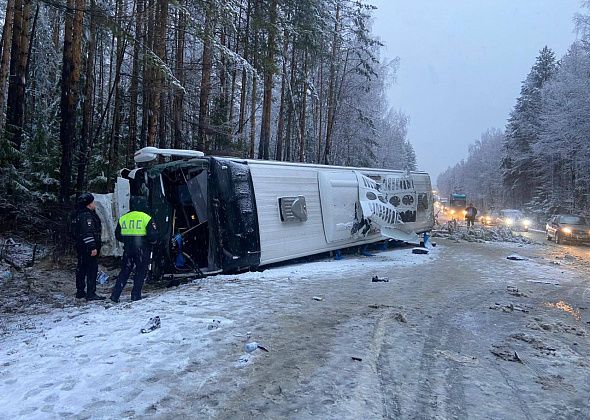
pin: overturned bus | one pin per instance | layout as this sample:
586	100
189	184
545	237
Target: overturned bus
218	214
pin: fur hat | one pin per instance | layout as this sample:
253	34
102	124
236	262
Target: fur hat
85	199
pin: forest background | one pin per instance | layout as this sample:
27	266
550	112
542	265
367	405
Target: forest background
85	83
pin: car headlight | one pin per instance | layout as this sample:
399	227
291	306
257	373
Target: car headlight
509	222
526	222
464	212
488	219
452	211
566	230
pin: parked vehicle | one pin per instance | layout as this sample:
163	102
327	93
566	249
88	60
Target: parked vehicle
568	228
218	214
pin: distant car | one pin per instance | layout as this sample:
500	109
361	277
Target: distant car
489	219
568	228
514	219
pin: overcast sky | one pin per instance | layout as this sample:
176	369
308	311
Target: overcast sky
462	64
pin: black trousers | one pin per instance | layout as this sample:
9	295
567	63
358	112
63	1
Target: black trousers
86	271
138	259
470	221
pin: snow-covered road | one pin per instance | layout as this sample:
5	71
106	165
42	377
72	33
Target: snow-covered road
460	333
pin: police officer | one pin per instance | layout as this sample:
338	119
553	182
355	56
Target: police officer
137	231
88	242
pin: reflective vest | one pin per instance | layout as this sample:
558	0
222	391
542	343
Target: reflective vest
134	223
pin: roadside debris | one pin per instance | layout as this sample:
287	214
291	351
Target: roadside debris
214	324
20	254
252	346
356	359
375	306
377	279
513	290
152	324
554	283
505	353
535	343
420	251
318	298
516	257
458	357
509	308
400	318
482	235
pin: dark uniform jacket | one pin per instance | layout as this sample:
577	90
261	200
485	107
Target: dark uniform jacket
89	230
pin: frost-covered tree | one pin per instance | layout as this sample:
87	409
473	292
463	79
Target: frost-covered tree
479	176
520	170
563	149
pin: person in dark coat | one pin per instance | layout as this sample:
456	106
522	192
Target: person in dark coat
88	243
470	213
137	230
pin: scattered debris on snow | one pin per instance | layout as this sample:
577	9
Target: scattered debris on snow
458	357
152	324
20	254
318	298
508	308
482	235
214	324
356	359
516	257
535	343
513	290
400	318
377	279
252	346
505	353
420	250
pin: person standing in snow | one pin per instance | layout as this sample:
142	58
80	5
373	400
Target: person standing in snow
470	214
88	228
137	230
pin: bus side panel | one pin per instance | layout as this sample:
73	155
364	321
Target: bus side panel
282	240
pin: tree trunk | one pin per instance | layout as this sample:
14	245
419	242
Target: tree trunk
88	104
269	68
331	88
178	107
302	118
5	60
207	62
281	123
134	84
17	79
69	92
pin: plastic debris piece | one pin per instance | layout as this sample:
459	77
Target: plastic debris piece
319	299
356	359
153	324
252	346
516	257
377	279
102	277
419	250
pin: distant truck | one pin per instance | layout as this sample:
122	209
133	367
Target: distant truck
457	205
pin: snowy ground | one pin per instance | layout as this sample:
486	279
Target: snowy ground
462	332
